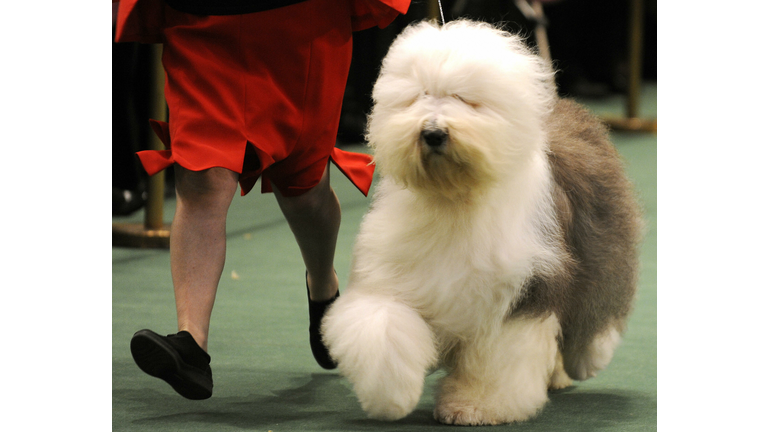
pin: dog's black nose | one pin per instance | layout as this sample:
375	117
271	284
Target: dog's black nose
434	137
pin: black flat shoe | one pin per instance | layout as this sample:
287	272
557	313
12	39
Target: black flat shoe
175	359
316	313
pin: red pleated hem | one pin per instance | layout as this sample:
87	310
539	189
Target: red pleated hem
357	167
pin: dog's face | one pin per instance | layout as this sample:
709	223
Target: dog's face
457	107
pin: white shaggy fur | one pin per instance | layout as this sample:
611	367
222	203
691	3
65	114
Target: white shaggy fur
502	377
386	352
455	232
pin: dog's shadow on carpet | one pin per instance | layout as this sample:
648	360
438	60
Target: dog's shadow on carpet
575	410
325	401
315	399
566	411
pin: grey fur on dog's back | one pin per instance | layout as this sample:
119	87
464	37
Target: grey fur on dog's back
601	223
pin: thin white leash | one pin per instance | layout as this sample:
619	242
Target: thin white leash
440	6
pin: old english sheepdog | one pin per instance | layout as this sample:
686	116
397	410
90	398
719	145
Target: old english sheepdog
502	241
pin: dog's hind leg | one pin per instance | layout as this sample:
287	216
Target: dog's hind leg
587	362
501	378
384	347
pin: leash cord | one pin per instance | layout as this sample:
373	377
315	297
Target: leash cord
440	6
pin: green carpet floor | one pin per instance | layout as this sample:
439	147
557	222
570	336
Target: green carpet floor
264	374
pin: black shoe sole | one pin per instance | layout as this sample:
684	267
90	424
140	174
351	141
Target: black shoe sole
159	359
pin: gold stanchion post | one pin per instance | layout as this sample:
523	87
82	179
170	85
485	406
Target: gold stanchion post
153	233
632	120
433	11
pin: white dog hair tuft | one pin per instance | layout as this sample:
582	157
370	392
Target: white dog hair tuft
385	348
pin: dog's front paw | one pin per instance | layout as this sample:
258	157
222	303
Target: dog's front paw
463	413
384	347
388	406
465	401
560	378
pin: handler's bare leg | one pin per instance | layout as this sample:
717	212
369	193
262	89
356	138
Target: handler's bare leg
314	218
198	244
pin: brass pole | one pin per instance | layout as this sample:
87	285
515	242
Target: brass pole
632	121
635	58
433	12
153	233
541	32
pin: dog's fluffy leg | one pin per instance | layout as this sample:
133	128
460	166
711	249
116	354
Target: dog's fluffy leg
503	379
560	378
597	354
384	347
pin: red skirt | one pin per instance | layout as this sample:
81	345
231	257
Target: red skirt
259	94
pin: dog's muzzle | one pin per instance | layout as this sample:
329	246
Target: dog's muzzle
435	139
